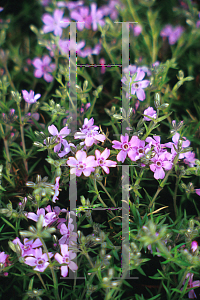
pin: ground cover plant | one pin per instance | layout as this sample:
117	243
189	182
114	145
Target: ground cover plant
99	161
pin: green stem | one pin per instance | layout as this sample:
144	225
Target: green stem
22	137
160	187
51	268
92	107
97	192
175	195
113	201
9	77
40	277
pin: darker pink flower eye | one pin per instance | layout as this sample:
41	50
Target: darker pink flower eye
40	262
158	163
125	146
141	151
101	161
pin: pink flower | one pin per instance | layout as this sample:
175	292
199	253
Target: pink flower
137	29
28	247
155	143
55	23
82	164
89	133
194	246
102	160
70	4
197	191
97	15
175	140
103	68
56	188
150	112
160	163
68	236
67	148
43	68
65	260
89	51
29	97
173	34
60	135
48	218
191	284
66	45
125	146
83	17
4	261
39	260
138	84
190	159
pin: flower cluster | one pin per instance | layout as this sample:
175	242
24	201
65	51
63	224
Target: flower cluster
173	34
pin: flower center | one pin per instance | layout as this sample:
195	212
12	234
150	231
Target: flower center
101	161
125	146
141	151
40	262
26	247
136	85
66	259
158	163
81	166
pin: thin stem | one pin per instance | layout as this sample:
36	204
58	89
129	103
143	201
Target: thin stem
22	137
51	268
92	107
97	192
113	201
175	195
9	77
40	277
160	187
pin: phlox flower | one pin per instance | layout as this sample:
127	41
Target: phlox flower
150	112
155	144
82	15
55	23
68	236
4	261
66	45
29	97
160	163
48	218
57	210
173	34
194	246
28	247
197	191
175	140
66	260
190	159
56	188
138	148
38	260
43	68
90	133
110	9
82	164
60	135
138	84
137	29
89	51
191	284
125	146
102	160
97	15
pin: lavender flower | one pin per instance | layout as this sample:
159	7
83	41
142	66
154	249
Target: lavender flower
82	15
65	260
97	15
102	160
39	260
82	164
160	163
175	140
173	34
60	135
68	236
55	23
125	146
56	188
138	84
191	284
151	113
194	246
28	247
29	97
48	218
43	68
